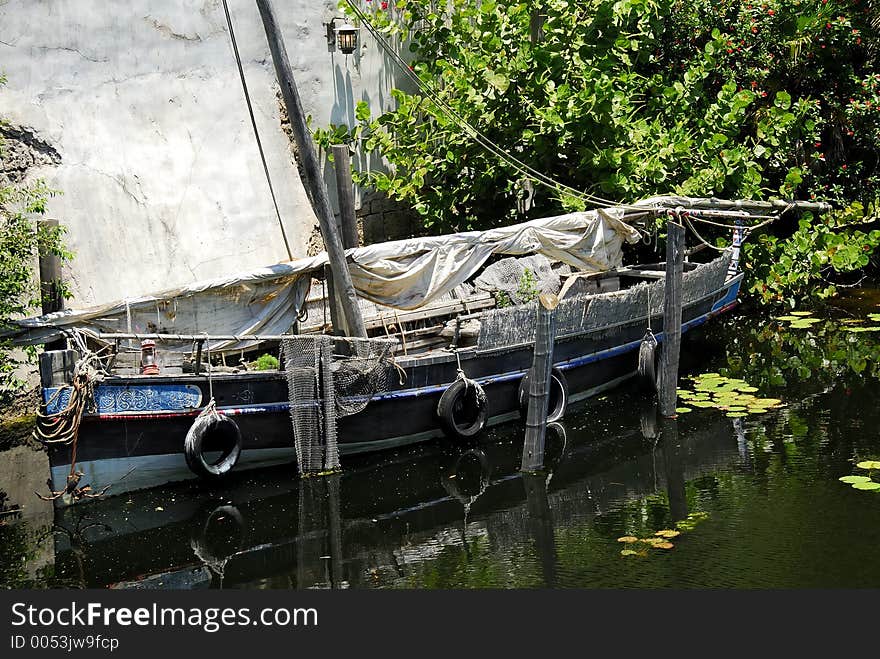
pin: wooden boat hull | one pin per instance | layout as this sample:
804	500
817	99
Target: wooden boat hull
135	439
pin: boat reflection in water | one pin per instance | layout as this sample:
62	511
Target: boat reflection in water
379	523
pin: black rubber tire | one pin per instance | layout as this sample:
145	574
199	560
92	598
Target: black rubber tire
463	409
555	445
649	359
212	426
558	395
216	539
459	482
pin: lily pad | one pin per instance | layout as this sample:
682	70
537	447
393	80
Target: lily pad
736	415
682	410
668	533
867	486
757	410
628	539
653	541
852	480
787	318
631	552
702	403
869	464
801	313
669	545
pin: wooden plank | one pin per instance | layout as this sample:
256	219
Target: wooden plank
431	312
649	274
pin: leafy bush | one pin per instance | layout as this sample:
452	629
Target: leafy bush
266	362
22	239
630	98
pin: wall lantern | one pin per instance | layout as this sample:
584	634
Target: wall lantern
345	37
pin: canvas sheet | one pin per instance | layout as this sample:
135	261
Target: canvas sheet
405	274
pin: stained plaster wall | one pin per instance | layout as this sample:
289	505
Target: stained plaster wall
161	178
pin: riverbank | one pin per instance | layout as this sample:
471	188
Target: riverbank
17	420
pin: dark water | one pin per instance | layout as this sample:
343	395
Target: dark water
762	491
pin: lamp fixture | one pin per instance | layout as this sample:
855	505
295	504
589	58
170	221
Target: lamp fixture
345	37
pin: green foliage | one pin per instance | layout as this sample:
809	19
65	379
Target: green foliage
22	239
864	482
266	362
786	269
527	290
630	98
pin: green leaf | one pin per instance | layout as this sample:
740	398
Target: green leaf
362	111
782	100
498	80
852	480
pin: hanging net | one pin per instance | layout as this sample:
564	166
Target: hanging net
330	377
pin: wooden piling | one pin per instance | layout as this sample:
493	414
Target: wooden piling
50	276
345	194
541	525
311	172
671	345
50	283
674	470
539	384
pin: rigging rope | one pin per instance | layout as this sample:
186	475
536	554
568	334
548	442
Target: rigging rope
247	98
474	133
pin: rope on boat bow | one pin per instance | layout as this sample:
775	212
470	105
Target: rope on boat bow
62	427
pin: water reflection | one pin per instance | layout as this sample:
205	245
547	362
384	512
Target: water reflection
380	523
464	516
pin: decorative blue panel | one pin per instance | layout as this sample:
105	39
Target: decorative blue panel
114	399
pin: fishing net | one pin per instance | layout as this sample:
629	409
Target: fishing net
584	313
509	276
324	384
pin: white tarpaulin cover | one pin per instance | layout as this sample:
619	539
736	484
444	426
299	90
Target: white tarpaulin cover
404	274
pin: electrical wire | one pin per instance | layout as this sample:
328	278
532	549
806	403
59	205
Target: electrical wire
473	132
247	98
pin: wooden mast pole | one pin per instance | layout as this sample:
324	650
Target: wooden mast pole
311	173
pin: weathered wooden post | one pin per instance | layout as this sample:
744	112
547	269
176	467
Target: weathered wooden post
539	383
50	275
50	283
345	193
674	470
541	524
311	173
671	347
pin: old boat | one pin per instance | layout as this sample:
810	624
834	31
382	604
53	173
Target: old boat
157	389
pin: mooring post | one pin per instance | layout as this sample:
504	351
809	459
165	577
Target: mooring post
541	524
674	470
539	383
311	173
345	193
671	346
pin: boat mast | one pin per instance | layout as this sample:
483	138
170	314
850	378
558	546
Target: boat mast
317	192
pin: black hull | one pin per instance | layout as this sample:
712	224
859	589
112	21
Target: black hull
148	445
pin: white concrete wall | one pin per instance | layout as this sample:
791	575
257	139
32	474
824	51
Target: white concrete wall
161	178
